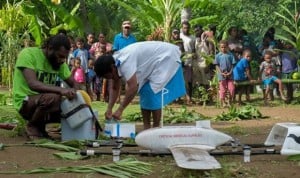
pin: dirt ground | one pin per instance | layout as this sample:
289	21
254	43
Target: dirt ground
250	131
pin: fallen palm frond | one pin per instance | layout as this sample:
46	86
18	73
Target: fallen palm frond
70	156
70	146
126	168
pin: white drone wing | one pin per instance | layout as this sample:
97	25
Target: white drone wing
194	157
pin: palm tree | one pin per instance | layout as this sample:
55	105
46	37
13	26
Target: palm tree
159	16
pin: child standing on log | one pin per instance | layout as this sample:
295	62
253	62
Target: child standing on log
241	73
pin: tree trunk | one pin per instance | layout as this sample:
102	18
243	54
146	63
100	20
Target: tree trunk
87	26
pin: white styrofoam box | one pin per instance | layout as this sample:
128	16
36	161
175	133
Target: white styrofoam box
286	134
125	130
80	116
279	133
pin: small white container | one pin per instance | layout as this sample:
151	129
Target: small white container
247	153
116	154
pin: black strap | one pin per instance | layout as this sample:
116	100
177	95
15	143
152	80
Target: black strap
73	111
97	124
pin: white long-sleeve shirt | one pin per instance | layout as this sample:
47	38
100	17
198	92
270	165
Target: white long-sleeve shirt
153	61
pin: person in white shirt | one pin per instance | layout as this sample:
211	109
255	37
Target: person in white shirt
189	54
151	68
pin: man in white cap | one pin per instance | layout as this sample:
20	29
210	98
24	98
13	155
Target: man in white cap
124	38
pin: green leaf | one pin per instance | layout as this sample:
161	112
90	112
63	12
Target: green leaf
70	156
1	146
294	157
45	143
124	169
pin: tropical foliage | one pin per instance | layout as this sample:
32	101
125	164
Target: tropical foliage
291	25
47	18
21	20
12	34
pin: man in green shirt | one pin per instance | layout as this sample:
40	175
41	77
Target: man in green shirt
35	95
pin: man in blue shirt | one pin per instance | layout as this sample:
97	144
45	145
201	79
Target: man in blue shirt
124	38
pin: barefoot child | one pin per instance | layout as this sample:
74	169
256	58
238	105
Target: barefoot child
269	81
241	73
224	62
268	70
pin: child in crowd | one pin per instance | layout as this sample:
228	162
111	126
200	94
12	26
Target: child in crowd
268	82
79	74
91	76
268	71
100	84
241	73
70	59
224	62
289	59
82	53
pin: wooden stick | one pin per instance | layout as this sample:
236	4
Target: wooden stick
284	81
7	126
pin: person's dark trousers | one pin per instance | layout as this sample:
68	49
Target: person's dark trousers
289	92
41	109
289	87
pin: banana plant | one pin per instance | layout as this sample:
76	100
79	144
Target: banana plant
290	26
196	18
47	17
159	14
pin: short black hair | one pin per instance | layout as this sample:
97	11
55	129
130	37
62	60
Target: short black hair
57	41
212	27
186	23
62	31
198	26
103	64
79	39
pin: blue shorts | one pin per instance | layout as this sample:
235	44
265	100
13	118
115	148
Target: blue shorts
268	82
175	88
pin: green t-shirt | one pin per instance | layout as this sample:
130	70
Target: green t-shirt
34	58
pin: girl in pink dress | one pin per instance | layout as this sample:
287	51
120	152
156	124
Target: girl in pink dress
79	74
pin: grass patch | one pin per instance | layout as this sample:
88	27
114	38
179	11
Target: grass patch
235	130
